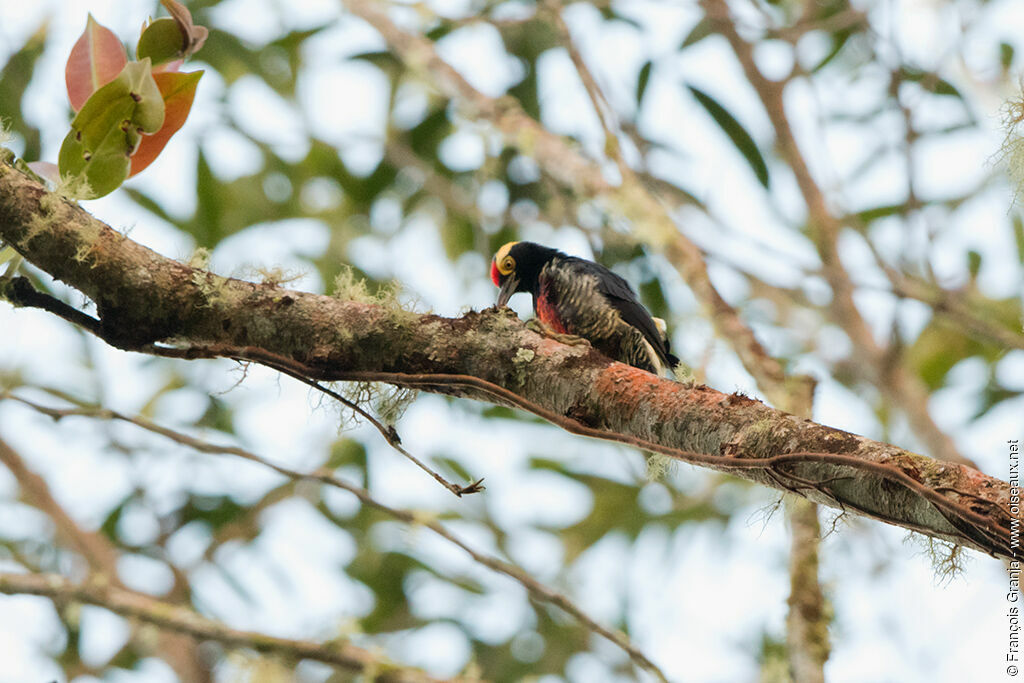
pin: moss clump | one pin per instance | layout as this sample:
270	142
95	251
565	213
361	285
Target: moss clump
72	187
388	402
37	225
213	287
523	356
659	466
1011	153
275	276
348	286
684	375
88	234
200	258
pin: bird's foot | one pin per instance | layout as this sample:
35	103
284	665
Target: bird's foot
570	339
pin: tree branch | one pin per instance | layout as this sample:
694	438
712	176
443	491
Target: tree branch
174	618
807	622
893	379
152	303
100	555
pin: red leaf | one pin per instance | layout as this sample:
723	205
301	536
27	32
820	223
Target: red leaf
95	60
178	90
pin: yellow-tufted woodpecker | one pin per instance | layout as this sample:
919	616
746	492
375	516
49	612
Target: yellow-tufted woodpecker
582	298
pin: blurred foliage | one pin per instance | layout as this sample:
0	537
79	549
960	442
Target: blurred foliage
471	206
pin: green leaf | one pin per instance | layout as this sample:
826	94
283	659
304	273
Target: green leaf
869	215
162	41
930	81
839	41
457	235
382	59
14	80
346	452
642	80
194	35
454	469
95	156
214	510
942	344
739	136
701	30
993	394
1006	52
219	415
109	526
276	63
386	574
973	263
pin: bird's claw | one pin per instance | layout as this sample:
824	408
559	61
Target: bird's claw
540	328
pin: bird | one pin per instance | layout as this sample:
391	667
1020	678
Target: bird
574	296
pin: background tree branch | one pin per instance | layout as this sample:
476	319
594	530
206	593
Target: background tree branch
186	622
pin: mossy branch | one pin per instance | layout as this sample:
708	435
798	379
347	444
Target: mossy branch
148	303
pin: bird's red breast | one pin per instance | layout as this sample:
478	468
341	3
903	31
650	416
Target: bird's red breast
547	313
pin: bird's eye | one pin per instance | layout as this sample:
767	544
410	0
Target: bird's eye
507	265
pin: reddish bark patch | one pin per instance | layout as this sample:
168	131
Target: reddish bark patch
631	388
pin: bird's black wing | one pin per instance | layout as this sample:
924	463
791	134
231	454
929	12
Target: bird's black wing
622	297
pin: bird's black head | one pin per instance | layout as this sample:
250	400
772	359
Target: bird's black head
516	268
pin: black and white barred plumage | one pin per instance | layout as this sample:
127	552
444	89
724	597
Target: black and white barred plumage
579	297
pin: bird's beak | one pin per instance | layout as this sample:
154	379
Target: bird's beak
507	290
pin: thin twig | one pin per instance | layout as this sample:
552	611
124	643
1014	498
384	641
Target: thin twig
387	431
538	590
25	295
977	531
602	108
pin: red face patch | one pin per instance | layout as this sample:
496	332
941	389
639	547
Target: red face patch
495	275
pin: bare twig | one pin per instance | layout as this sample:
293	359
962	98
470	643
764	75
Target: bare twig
536	589
602	108
893	379
389	434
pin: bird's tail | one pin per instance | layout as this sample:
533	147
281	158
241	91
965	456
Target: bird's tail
673	361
